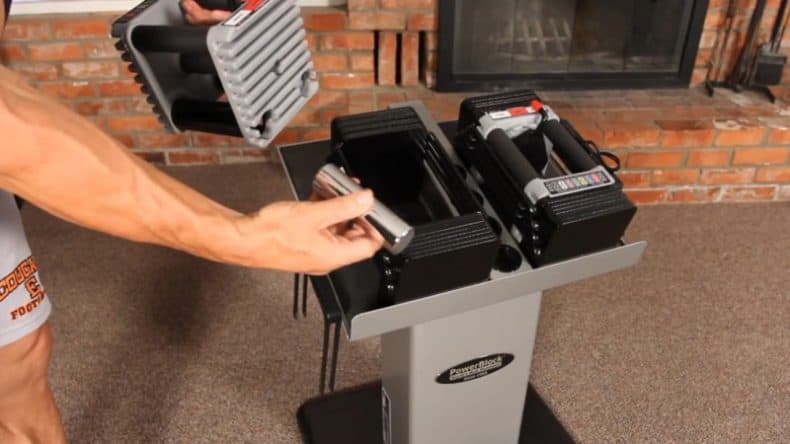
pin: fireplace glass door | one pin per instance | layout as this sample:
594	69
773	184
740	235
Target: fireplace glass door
507	39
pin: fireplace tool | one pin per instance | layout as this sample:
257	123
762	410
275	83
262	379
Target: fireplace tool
720	48
770	62
742	77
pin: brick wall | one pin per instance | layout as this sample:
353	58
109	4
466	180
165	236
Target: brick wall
676	147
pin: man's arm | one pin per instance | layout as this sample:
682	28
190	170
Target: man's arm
63	163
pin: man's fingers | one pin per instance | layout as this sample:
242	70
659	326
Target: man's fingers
197	15
347	231
204	17
341	229
352	243
363	228
218	15
340	209
190	8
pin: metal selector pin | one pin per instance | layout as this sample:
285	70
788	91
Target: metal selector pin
331	181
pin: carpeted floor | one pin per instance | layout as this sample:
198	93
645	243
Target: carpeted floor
691	346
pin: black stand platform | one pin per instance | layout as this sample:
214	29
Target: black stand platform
325	420
423	335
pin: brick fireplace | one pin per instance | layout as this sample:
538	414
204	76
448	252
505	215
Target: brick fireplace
677	145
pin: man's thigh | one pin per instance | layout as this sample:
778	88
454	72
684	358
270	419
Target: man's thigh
25	361
27	409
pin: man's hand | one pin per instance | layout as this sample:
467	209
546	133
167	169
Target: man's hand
197	15
310	237
134	200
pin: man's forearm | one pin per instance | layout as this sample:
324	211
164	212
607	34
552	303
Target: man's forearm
66	165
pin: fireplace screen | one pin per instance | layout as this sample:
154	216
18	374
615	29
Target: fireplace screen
605	42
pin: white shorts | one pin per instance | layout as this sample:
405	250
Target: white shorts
24	306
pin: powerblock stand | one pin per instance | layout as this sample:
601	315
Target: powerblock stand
455	365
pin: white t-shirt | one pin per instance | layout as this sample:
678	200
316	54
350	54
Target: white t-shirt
24	305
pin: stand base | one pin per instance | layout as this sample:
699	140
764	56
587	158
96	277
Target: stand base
325	420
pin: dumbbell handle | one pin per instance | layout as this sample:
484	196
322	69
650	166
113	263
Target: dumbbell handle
227	5
330	182
567	147
512	160
174	39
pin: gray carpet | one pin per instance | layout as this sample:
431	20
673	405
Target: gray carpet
154	346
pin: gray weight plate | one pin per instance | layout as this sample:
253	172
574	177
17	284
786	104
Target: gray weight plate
265	66
262	64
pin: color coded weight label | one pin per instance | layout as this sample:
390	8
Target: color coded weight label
570	184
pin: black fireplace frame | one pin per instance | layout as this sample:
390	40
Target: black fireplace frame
447	81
